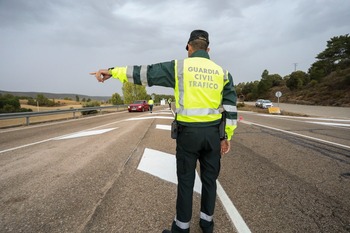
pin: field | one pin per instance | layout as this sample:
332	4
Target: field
65	104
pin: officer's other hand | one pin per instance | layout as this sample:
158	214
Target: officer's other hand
225	147
101	75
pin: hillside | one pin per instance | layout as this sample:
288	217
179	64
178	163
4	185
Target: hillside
56	95
333	90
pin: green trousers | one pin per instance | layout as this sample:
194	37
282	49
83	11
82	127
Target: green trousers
202	144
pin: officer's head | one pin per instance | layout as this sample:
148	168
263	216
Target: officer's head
199	40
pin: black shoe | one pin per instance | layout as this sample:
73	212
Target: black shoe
166	231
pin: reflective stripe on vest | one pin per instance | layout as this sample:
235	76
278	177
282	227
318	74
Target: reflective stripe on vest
198	79
130	74
143	75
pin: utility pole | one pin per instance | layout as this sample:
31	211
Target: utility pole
295	66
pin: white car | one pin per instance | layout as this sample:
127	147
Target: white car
266	104
258	103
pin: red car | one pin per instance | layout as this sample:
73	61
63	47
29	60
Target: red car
138	106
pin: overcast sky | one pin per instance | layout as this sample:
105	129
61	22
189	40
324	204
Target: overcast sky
52	45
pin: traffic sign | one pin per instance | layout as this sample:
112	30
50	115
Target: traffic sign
278	94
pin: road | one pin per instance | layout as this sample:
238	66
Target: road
114	173
313	110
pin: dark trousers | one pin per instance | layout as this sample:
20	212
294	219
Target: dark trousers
203	144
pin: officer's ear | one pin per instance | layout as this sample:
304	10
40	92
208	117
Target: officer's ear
208	49
189	50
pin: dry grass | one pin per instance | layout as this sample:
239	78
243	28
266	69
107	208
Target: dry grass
65	104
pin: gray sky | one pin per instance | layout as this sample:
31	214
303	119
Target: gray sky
52	45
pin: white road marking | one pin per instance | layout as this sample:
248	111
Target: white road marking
84	134
148	117
167	112
163	166
232	211
26	145
165	127
296	134
296	117
58	138
329	123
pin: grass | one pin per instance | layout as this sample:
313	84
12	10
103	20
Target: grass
65	104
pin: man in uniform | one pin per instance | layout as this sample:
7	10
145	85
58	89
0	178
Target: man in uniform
150	103
201	88
169	103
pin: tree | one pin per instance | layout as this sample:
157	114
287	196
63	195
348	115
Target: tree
116	99
275	79
249	90
265	84
10	103
297	80
132	92
77	98
336	55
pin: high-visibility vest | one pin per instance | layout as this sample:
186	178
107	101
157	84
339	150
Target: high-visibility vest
199	84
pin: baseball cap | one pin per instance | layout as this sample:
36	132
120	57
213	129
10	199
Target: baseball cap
198	35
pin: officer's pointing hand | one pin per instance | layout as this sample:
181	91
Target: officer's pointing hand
101	75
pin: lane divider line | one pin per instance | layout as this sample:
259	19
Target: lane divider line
296	134
231	210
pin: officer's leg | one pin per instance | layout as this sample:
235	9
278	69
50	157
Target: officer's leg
210	168
186	159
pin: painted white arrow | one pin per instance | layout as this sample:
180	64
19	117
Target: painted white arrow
163	165
84	134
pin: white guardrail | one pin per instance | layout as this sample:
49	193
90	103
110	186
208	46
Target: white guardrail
28	115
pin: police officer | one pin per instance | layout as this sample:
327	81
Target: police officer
150	103
201	88
169	103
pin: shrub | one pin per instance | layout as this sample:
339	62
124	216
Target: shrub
240	105
88	105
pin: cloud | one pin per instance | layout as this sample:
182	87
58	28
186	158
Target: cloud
53	45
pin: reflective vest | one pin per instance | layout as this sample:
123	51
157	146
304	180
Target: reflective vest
199	84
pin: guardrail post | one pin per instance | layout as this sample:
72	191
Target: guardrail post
27	120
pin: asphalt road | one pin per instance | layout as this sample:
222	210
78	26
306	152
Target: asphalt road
313	111
283	174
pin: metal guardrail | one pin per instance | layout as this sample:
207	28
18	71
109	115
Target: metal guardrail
28	115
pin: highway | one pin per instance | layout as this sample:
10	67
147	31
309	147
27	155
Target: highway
115	173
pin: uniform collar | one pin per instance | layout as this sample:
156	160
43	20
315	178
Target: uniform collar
200	53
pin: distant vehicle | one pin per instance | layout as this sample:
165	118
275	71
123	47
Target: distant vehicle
258	103
266	104
138	106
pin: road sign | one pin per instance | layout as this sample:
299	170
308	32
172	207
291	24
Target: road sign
278	94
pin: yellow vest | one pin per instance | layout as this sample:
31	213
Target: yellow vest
199	84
